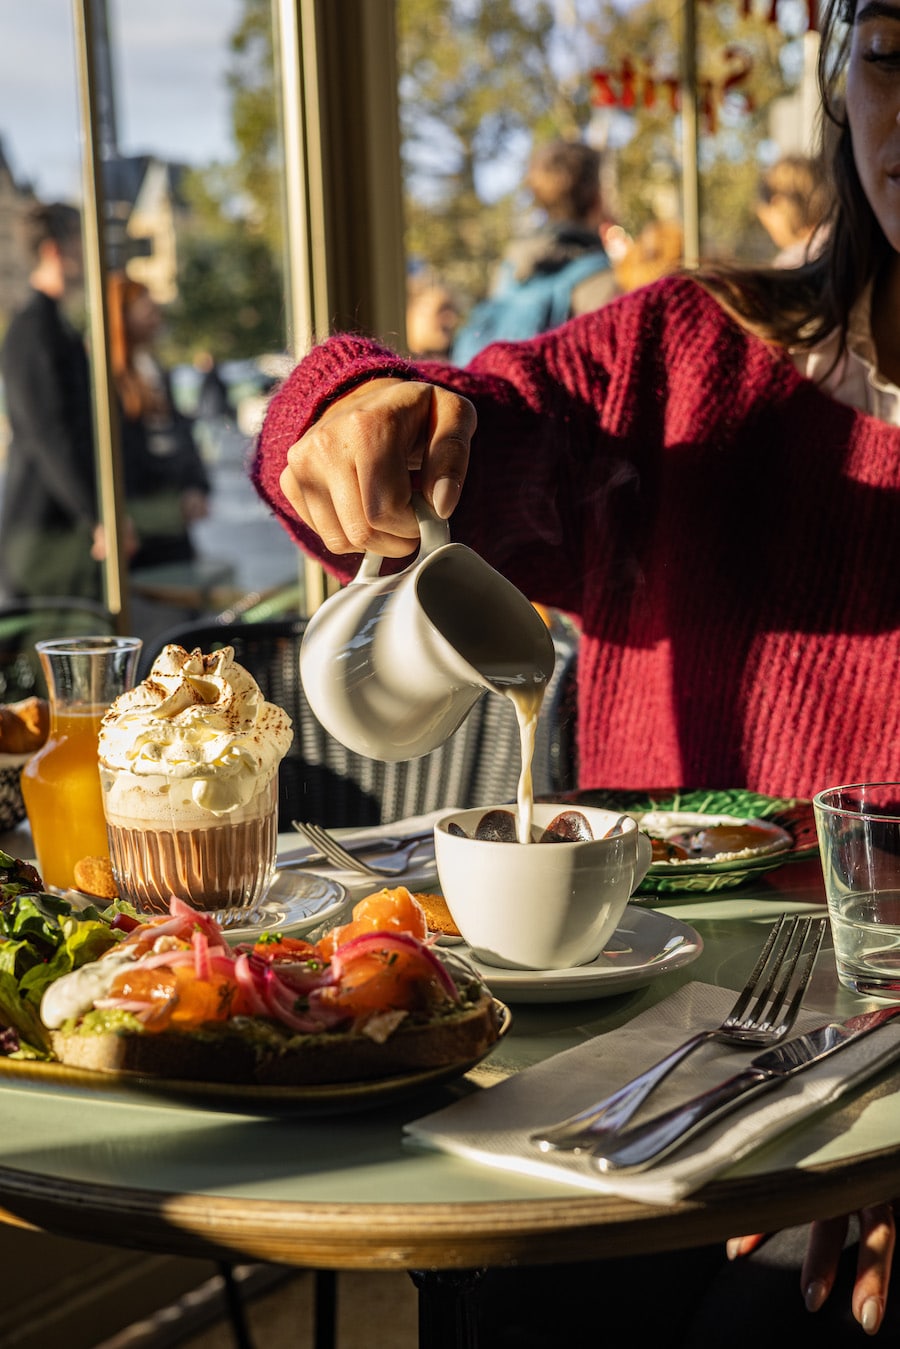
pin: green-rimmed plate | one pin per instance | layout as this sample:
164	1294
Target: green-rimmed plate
792	836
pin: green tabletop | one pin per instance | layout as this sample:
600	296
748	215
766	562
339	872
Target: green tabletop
343	1190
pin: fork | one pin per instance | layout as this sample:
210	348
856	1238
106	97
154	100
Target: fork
769	1021
338	855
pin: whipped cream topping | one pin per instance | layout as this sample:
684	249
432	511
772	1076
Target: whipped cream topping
202	720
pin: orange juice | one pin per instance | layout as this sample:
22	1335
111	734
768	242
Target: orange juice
61	789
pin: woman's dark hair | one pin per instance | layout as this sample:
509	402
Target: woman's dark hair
801	306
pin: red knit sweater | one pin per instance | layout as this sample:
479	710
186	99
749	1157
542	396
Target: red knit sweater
728	535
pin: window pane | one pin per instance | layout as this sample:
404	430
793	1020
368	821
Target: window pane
191	169
482	83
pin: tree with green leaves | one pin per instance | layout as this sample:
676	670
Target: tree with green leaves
230	284
740	75
481	81
230	268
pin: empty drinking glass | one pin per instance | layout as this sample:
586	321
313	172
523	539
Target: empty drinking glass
859	842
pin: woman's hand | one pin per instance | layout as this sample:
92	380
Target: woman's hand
877	1236
349	478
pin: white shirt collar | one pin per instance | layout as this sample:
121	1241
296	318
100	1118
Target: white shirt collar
853	378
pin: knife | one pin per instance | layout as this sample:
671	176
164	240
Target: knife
637	1148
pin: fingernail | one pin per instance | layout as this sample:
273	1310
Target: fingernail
445	496
870	1316
816	1293
733	1247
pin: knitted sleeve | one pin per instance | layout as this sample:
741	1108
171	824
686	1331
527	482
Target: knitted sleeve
566	424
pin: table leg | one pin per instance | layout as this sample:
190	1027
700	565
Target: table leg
447	1307
325	1314
235	1306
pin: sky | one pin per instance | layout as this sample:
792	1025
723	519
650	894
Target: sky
170	58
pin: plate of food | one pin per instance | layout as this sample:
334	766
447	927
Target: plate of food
708	841
169	1007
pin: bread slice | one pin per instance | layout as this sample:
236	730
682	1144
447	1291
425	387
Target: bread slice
460	1036
24	726
215	1056
94	876
437	914
235	1054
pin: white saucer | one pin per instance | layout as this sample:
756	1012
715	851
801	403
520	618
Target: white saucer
645	945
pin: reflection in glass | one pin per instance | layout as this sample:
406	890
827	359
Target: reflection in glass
189	151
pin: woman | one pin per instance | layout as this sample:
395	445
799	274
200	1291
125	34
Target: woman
707	473
166	486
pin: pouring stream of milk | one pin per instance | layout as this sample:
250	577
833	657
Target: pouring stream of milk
526	690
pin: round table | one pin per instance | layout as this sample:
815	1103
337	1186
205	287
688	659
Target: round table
343	1191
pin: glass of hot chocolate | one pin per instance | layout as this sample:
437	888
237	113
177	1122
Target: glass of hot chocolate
189	770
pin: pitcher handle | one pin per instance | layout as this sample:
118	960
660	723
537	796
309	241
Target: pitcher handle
433	534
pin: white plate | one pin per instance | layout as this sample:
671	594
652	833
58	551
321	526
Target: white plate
645	945
666	824
421	874
296	902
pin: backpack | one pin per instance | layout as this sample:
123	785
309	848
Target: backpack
521	309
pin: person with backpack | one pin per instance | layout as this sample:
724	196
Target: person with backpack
557	271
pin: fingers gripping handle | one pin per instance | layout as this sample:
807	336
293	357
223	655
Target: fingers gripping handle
433	534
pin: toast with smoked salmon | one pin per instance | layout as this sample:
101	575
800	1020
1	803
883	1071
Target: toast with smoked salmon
368	1000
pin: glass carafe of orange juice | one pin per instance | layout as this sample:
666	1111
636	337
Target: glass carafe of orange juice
61	782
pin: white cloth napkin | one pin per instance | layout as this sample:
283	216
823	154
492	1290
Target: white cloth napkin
421	871
492	1126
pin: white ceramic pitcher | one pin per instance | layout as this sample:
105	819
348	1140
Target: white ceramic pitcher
391	665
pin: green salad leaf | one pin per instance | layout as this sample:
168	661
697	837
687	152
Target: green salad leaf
42	938
21	1015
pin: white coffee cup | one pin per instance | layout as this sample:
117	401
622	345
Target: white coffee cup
539	906
392	664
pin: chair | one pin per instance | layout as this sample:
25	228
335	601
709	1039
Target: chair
323	781
26	621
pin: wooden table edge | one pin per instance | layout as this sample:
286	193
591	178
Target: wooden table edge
385	1236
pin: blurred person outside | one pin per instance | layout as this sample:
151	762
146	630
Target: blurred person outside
657	251
215	413
793	200
558	270
432	317
49	511
213	400
166	484
707	472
